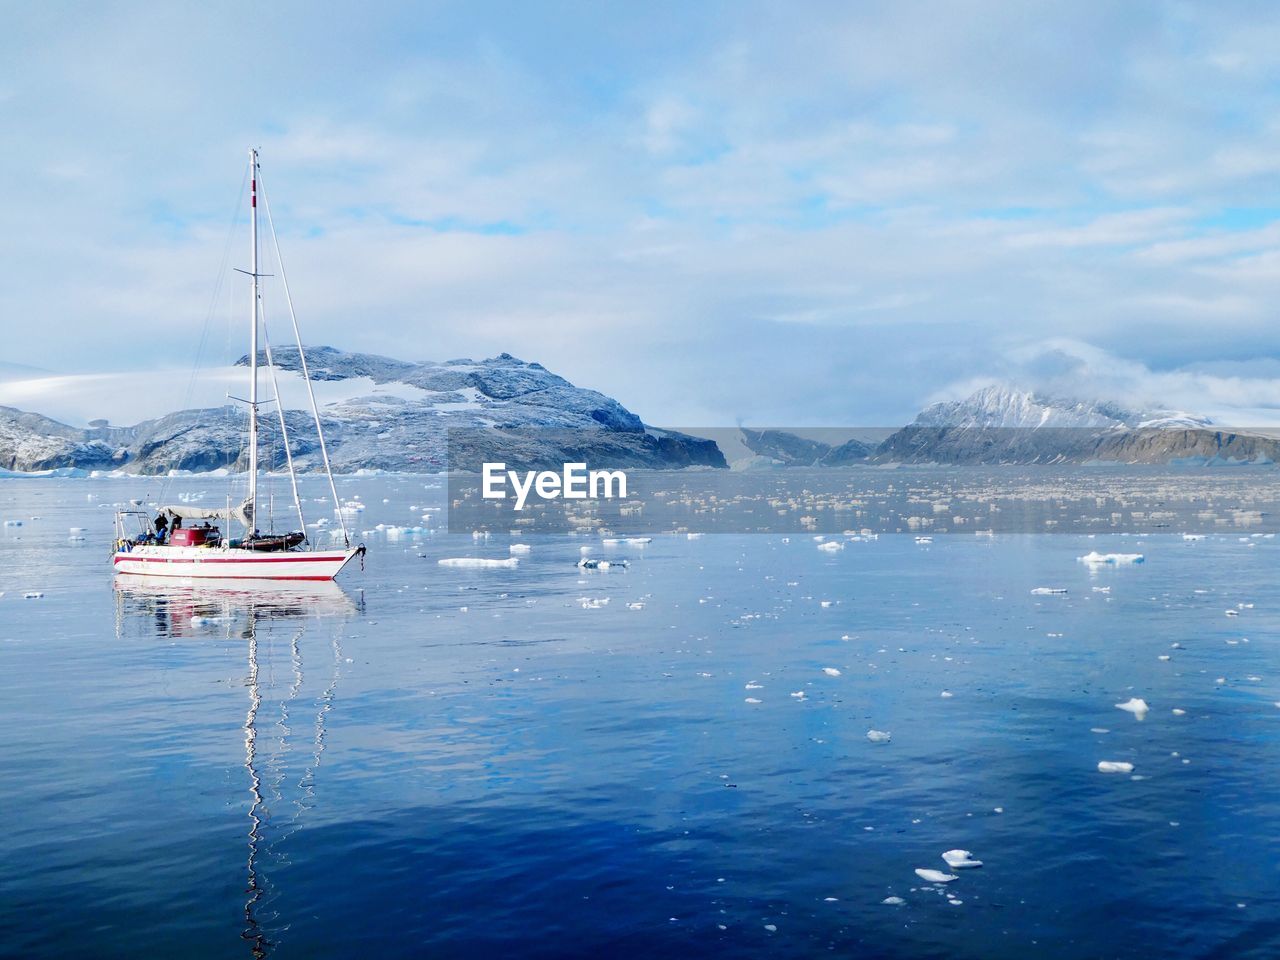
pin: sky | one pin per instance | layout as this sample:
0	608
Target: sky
777	214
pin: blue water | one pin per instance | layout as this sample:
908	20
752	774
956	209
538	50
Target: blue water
445	762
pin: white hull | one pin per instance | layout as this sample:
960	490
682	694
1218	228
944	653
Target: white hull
213	563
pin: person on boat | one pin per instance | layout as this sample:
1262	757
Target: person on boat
162	527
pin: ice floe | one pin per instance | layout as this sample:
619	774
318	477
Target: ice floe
478	563
1114	766
589	563
960	860
831	671
934	876
1049	591
880	736
1113	558
1135	705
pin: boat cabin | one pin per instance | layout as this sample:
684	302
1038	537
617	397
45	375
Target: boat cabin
193	536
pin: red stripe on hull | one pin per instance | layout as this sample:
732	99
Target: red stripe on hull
129	557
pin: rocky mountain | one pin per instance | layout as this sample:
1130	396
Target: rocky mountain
1005	407
1004	425
461	412
783	449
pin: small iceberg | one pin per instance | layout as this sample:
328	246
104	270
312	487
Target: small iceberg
1114	766
1049	591
520	548
880	736
1114	558
960	860
831	671
1135	705
893	901
934	876
480	563
589	563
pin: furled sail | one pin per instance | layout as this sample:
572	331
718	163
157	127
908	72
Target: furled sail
242	513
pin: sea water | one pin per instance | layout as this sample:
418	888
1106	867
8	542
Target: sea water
666	758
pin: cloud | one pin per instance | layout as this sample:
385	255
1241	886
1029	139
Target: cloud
1070	368
710	211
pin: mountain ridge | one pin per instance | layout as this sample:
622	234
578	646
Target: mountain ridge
491	408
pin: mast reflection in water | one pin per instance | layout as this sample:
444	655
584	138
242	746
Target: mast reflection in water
254	612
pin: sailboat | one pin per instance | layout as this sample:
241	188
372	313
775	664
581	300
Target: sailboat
200	549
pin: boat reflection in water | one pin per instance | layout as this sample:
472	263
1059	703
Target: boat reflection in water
185	607
274	618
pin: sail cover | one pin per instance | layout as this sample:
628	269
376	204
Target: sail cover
243	512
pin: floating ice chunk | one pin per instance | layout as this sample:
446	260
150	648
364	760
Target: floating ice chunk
521	548
752	700
510	563
946	694
1232	613
924	539
826	603
636	605
934	876
1115	558
1135	705
880	736
1049	591
754	686
831	671
1114	766
588	563
33	595
831	546
593	603
694	536
798	694
960	859
1179	712
893	901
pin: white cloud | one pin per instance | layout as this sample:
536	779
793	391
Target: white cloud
768	215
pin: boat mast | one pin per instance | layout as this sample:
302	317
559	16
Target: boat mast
253	343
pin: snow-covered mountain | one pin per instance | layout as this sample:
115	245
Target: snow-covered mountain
1001	424
414	417
1006	407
